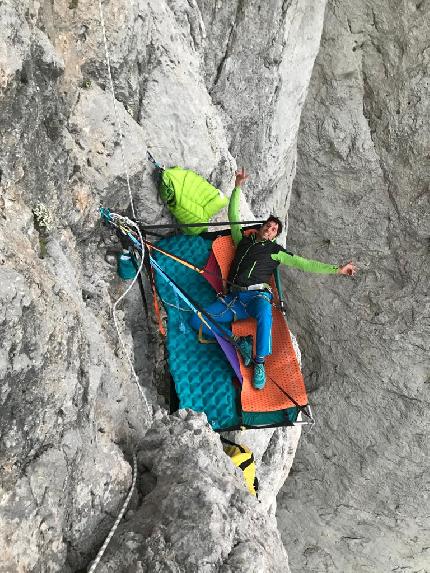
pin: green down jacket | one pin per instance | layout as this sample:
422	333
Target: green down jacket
190	198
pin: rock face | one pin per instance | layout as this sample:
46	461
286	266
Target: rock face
199	84
211	85
357	499
194	516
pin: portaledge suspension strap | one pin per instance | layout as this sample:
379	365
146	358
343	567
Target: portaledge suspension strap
146	227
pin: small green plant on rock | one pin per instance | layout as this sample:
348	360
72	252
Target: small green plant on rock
73	4
43	221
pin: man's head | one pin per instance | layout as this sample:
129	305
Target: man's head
270	229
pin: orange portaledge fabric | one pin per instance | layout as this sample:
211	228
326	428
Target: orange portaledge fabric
281	365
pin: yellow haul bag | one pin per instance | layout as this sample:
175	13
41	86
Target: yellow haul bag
243	458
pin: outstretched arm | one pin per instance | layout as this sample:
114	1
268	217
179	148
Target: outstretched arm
233	206
310	266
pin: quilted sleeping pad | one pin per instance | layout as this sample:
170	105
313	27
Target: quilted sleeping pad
202	374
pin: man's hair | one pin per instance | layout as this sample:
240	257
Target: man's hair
275	220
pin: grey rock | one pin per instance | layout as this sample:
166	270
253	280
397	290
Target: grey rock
258	60
356	499
209	86
197	518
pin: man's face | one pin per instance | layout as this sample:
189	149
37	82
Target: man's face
268	231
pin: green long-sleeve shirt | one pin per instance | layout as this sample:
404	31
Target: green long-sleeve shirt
283	257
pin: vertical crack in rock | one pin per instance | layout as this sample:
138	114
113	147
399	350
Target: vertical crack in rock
218	527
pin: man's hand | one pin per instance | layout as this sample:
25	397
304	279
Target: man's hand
241	177
348	269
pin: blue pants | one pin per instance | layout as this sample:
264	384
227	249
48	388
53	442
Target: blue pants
238	306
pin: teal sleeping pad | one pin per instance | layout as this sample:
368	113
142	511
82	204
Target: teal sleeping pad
202	374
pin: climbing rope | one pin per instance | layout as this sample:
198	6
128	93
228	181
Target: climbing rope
204	316
118	519
126	220
115	320
124	294
175	306
117	121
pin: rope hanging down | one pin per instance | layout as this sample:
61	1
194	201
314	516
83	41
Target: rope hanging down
128	221
117	121
115	320
114	308
117	521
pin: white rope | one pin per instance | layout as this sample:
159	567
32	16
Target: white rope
118	519
115	319
114	308
117	121
119	128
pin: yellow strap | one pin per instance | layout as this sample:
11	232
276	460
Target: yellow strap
175	258
205	340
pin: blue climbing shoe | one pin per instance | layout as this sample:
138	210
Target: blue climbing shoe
259	378
244	345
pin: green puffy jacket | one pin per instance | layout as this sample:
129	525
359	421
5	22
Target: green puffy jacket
190	198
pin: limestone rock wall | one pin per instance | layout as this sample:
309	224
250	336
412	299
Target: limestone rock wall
191	483
357	497
258	57
188	88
